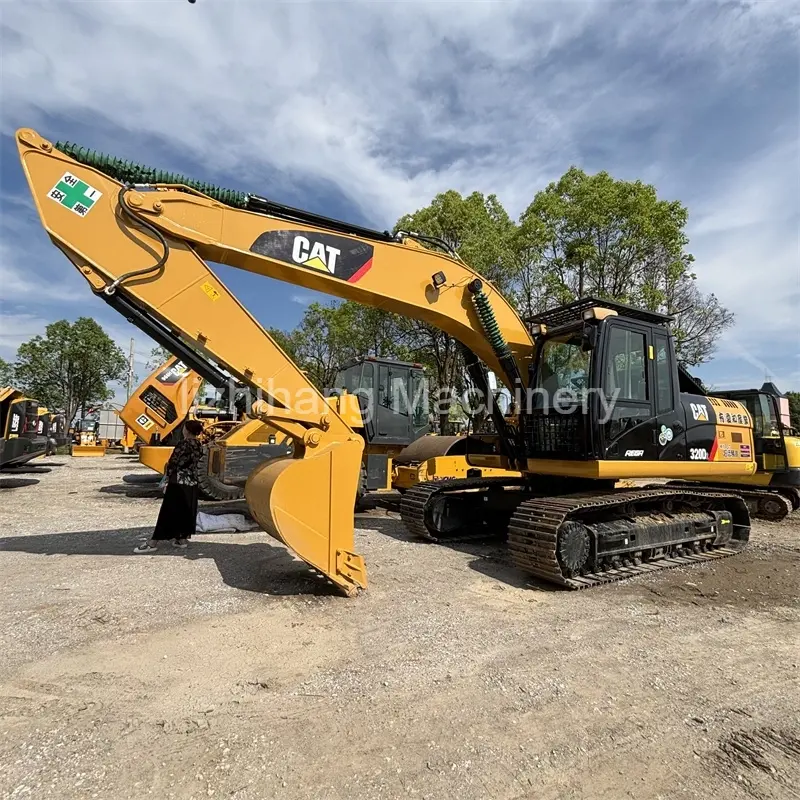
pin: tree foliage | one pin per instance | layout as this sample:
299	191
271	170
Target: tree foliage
593	235
158	355
70	366
794	409
6	373
329	336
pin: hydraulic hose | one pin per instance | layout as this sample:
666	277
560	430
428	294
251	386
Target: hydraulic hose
130	172
494	336
159	265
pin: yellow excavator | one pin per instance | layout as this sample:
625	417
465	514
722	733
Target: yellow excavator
384	401
595	387
158	408
23	430
773	491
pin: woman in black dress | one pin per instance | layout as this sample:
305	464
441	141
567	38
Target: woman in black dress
177	518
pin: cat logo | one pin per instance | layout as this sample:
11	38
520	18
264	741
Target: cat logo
347	259
173	373
699	411
316	255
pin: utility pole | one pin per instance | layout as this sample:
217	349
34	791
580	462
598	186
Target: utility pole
130	372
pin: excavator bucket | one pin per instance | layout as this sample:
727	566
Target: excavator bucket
307	503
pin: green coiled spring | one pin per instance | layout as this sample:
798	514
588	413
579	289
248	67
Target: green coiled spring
131	172
489	323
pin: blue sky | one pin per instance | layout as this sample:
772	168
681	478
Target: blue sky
364	111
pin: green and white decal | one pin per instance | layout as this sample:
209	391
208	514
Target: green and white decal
74	194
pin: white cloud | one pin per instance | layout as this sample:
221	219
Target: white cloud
393	102
332	92
16	329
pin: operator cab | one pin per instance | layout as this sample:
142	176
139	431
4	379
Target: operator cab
392	396
604	385
776	445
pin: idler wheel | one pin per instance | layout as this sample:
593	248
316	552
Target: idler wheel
573	547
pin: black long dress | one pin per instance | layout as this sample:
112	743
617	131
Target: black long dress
177	518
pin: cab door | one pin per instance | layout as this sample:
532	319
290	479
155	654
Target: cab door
627	418
392	411
670	429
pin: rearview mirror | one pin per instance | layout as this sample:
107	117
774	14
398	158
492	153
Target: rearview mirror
589	338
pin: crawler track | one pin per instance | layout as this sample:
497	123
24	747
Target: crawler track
768	503
535	526
416	504
533	535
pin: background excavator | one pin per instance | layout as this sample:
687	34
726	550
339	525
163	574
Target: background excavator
773	491
141	239
157	409
384	401
24	431
400	450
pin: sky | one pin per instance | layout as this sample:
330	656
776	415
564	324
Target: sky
364	111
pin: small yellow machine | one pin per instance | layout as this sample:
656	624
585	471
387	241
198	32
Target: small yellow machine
85	441
595	389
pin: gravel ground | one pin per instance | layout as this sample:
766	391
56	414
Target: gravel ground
231	670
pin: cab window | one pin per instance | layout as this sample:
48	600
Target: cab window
393	389
563	368
663	374
626	373
417	399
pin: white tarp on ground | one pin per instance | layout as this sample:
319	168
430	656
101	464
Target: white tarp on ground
208	523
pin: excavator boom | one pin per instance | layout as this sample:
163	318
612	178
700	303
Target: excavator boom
143	252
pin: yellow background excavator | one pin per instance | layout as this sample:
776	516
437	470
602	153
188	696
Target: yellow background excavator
169	396
400	449
773	491
384	401
596	386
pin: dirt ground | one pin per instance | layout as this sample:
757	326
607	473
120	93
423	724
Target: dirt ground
230	671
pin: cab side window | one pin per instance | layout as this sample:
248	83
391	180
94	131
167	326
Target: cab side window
417	399
393	389
626	367
663	375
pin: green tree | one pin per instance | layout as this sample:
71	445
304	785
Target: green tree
479	229
593	235
158	355
70	366
794	409
6	373
331	335
287	341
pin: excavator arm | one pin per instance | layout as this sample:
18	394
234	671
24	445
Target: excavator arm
143	250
